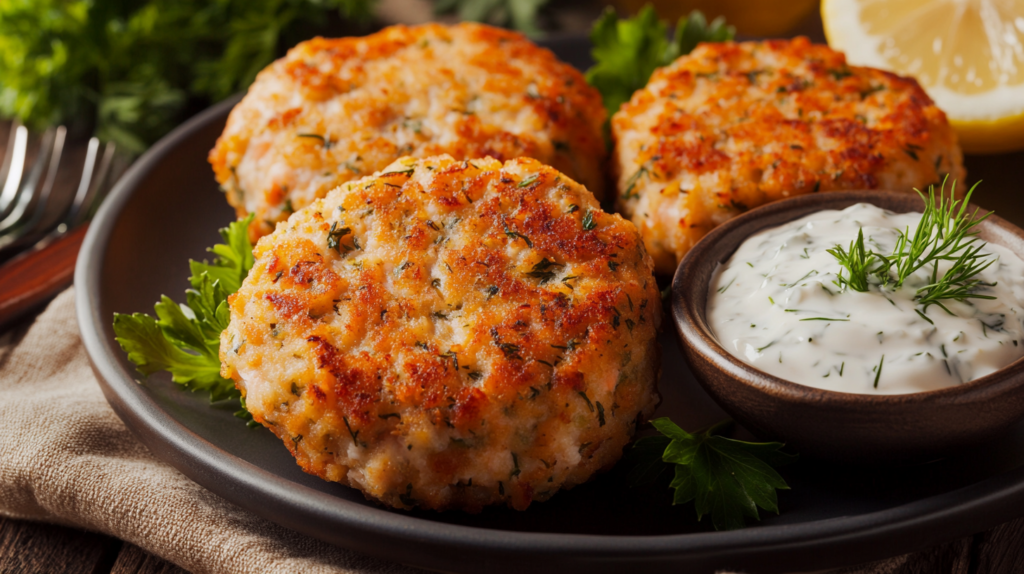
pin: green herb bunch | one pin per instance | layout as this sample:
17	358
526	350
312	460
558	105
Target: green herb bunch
519	14
627	51
185	339
946	233
132	70
728	479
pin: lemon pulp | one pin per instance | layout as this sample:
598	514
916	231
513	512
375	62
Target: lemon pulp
968	55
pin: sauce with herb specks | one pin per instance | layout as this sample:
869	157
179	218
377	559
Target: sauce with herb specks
776	305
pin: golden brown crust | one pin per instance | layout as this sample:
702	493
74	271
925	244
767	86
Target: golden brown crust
334	110
450	334
735	125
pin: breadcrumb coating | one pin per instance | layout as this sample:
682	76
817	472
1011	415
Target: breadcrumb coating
334	110
732	126
450	334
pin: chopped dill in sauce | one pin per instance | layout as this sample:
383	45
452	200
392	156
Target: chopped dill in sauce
894	337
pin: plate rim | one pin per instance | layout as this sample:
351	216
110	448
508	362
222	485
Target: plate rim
436	545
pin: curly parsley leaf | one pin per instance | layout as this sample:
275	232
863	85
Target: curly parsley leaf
627	51
233	258
185	339
726	478
695	29
142	337
644	459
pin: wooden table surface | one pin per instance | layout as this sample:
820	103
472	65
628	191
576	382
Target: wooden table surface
32	547
28	547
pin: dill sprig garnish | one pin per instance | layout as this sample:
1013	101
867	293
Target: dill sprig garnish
857	261
959	282
946	232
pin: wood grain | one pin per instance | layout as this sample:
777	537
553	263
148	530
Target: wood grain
32	278
134	560
29	547
1001	550
950	558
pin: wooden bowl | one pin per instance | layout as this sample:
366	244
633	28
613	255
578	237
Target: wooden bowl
842	427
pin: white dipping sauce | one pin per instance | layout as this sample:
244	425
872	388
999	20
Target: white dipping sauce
766	305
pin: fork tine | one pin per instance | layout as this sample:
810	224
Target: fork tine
13	167
20	222
96	191
92	188
51	177
18	232
12	133
84	185
26	192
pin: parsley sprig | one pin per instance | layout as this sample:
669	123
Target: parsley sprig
185	339
627	51
726	478
946	233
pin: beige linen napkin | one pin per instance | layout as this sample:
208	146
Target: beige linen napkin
66	458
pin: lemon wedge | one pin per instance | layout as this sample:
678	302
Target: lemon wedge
967	54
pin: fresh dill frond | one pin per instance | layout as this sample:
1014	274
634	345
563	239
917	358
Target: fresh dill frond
959	282
945	233
858	263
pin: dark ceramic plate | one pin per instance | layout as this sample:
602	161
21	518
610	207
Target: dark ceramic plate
167	209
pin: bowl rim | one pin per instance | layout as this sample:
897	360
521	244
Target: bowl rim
692	325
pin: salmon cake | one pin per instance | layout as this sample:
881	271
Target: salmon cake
450	334
335	110
732	126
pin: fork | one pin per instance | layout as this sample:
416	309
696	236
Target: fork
24	201
45	264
